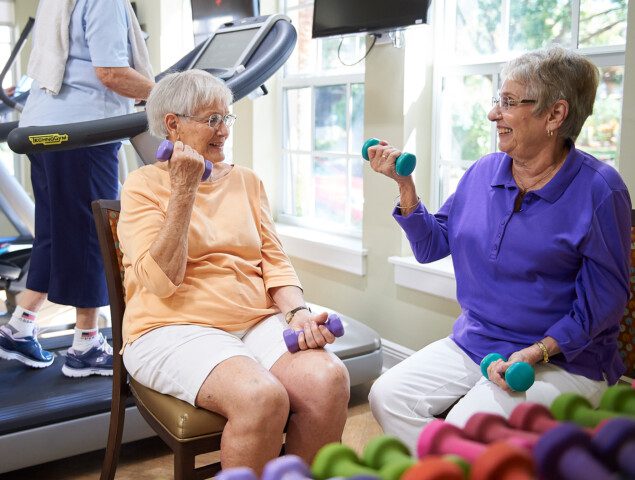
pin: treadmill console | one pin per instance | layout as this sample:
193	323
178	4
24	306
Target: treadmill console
226	51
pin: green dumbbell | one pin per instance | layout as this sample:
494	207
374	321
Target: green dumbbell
389	456
405	163
571	407
519	376
619	398
337	460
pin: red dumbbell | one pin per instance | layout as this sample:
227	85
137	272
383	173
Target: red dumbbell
434	468
502	461
489	428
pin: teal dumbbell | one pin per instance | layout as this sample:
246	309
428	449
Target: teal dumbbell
519	376
405	163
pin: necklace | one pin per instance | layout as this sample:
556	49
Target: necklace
523	189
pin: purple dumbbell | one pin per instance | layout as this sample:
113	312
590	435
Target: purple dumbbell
565	453
333	324
615	442
237	473
164	152
288	467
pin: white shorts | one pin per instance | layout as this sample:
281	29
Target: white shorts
176	359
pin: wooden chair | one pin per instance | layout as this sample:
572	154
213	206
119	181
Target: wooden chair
187	430
626	338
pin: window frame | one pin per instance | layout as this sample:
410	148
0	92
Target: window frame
605	56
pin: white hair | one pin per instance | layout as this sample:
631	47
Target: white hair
183	93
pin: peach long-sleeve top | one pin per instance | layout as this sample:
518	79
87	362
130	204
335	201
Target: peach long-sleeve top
233	255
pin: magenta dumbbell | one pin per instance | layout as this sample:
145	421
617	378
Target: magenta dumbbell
439	438
333	324
165	150
489	427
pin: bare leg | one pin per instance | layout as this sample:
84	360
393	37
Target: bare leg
31	300
319	389
86	318
256	407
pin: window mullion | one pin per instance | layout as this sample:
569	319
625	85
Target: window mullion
575	24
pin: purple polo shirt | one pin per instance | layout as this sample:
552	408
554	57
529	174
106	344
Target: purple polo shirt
559	267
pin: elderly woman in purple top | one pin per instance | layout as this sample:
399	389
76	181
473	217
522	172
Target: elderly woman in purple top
540	238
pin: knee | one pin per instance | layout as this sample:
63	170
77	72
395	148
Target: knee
263	403
328	385
380	396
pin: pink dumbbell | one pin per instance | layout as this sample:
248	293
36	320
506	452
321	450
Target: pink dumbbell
534	417
440	438
488	428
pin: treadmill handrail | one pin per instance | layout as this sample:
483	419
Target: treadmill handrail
274	51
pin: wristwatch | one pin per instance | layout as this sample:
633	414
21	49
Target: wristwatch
289	315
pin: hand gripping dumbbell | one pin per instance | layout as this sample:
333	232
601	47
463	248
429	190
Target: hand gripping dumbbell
165	150
237	473
287	467
405	163
434	468
575	408
502	461
565	453
619	398
389	456
614	441
333	324
489	428
519	376
337	460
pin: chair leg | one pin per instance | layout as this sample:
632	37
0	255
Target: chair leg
115	432
184	463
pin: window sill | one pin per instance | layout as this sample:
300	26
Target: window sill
334	251
436	278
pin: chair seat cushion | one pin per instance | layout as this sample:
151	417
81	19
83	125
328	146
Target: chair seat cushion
180	418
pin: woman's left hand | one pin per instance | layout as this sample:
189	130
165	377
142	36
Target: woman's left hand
496	370
313	333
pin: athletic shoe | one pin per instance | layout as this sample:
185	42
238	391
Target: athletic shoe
96	360
26	349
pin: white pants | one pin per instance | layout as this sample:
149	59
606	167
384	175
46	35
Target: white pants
409	395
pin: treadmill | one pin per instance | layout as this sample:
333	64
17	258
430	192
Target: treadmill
45	416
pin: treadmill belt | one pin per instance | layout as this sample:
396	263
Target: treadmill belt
31	398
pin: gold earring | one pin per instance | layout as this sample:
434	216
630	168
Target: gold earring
549	133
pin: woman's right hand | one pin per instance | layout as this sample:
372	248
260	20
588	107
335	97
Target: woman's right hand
382	159
186	167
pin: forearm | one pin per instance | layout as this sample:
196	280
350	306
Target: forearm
125	81
408	198
287	298
169	250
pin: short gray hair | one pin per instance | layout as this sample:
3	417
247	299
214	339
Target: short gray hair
553	74
183	93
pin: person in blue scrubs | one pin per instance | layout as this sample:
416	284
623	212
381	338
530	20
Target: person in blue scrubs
539	235
100	78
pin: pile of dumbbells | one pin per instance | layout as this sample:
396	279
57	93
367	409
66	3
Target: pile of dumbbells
570	440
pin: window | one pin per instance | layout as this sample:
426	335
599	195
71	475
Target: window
480	36
323	105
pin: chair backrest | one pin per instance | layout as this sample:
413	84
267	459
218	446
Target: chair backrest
626	338
106	213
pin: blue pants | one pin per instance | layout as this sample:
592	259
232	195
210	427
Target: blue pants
66	261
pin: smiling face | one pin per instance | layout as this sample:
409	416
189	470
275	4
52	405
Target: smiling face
521	134
196	132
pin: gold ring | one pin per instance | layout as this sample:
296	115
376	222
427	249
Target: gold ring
385	155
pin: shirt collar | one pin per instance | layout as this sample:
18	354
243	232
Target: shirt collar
556	186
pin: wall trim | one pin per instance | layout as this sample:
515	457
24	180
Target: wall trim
393	353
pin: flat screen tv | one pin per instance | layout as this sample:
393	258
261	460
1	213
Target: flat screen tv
209	15
341	17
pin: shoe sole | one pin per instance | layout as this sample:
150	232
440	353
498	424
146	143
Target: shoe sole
25	360
85	372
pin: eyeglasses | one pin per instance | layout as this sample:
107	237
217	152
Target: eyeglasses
505	103
214	120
